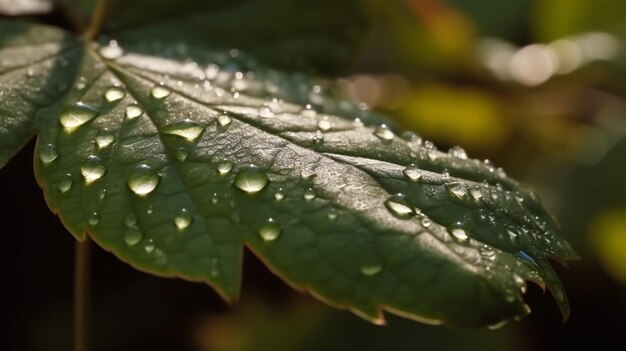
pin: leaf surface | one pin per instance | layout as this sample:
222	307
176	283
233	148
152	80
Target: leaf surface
177	160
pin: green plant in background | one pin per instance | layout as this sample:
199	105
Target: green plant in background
175	155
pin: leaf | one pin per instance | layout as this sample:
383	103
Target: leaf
149	151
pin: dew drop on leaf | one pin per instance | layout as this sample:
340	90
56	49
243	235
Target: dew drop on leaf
113	94
143	180
266	112
181	154
133	111
309	194
456	190
132	236
426	222
412	173
457	152
324	124
104	139
94	219
48	153
224	120
111	51
412	137
399	206
224	167
183	219
160	92
270	231
384	133
371	270
457	232
77	115
187	129
92	169
65	184
130	220
250	179
279	195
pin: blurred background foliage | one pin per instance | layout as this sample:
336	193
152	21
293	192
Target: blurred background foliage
538	87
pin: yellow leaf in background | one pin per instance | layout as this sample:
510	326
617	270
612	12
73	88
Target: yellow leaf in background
468	117
607	233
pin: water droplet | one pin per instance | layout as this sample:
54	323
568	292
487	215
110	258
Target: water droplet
66	183
150	210
224	120
183	219
371	270
104	139
270	231
133	111
412	137
266	112
214	199
149	247
132	236
324	124
93	169
113	94
102	194
476	194
384	133
93	219
143	180
309	194
413	173
279	195
224	167
309	111
457	232
457	152
77	115
426	222
456	190
333	214
399	206
251	179
48	153
160	92
318	138
111	51
187	129
130	220
181	154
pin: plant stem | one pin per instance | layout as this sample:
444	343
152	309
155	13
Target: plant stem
82	287
97	20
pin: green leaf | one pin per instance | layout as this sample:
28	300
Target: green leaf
150	151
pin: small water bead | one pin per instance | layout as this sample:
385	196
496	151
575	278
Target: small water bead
149	247
132	236
279	195
458	152
93	219
324	124
143	180
186	128
371	270
224	167
265	112
309	194
160	92
400	206
456	190
181	154
384	133
413	173
457	232
429	145
270	231
113	94
224	120
65	184
48	153
111	51
183	219
102	194
318	138
251	179
333	214
77	115
412	137
476	194
133	111
309	112
426	222
130	220
104	139
93	169
487	252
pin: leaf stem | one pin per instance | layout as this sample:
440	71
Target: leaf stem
82	287
97	20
